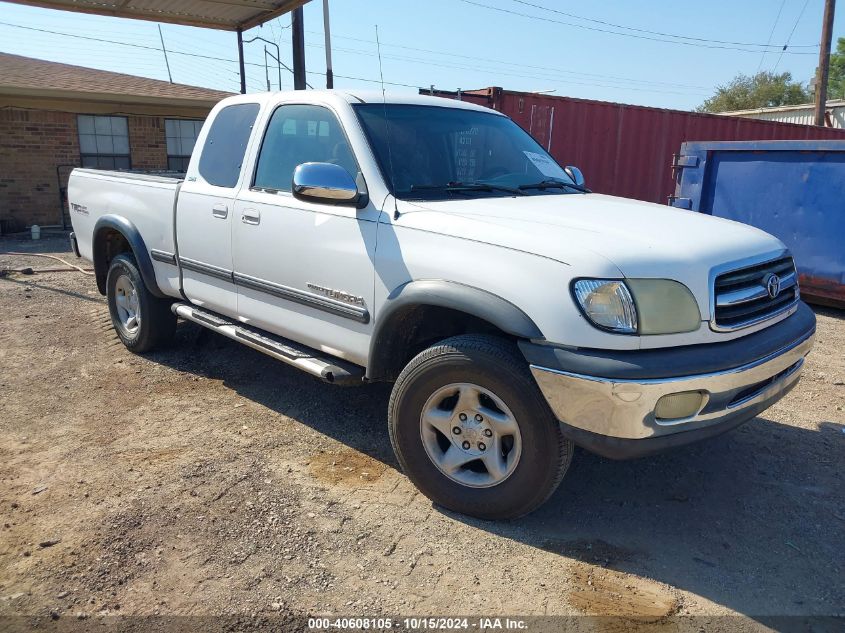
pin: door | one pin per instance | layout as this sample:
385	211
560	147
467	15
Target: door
205	208
304	270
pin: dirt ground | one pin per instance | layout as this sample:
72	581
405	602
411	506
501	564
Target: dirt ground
210	480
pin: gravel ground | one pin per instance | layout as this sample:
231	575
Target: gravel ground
210	480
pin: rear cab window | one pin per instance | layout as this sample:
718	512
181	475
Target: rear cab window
224	149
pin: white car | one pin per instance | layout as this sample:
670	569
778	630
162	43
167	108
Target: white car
435	244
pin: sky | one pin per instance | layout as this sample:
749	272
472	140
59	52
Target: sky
614	50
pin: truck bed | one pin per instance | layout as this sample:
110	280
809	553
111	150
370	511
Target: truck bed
146	199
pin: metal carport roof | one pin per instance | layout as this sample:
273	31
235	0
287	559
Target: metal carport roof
229	15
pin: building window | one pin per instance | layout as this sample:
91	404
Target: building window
181	137
103	141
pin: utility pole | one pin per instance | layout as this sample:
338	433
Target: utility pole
266	69
824	61
241	61
328	34
298	37
164	50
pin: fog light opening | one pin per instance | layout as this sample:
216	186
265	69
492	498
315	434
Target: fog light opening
678	406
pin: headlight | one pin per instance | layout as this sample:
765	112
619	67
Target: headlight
638	306
608	304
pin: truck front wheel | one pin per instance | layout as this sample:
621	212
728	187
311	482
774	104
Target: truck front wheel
142	320
471	430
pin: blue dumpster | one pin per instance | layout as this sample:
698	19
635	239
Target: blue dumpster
792	189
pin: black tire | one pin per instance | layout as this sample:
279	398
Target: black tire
156	323
495	365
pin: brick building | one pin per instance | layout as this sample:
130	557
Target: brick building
54	117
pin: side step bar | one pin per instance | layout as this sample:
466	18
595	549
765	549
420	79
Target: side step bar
309	360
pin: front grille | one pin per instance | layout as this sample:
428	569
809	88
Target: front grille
742	296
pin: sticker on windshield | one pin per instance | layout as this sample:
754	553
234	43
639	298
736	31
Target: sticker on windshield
546	165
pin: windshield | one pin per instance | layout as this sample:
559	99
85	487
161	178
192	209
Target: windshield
440	152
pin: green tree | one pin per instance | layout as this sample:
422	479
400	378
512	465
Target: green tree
836	78
763	90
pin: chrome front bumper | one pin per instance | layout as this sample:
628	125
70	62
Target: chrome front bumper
624	409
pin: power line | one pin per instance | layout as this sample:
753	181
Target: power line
771	34
107	41
543	75
175	52
638	30
220	79
255	64
131	45
631	35
551	72
517	65
371	81
273	35
791	33
546	73
510	73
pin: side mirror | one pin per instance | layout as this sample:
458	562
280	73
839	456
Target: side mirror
326	183
575	174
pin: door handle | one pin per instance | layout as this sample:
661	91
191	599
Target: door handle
251	216
220	211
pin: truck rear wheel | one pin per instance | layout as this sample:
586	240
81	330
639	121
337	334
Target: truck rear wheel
142	321
471	429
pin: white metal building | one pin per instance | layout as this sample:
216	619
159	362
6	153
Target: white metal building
801	114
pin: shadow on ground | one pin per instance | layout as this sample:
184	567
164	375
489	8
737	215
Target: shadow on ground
734	519
35	281
52	243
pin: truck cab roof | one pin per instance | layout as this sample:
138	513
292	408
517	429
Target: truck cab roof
353	97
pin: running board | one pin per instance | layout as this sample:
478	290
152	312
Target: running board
309	360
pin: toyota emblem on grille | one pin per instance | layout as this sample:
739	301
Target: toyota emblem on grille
773	285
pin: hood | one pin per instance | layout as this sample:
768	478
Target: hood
599	235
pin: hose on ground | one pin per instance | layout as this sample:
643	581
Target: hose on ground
72	267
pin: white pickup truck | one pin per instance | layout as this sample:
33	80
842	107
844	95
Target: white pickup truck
435	244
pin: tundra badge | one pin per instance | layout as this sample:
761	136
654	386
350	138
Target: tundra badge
339	295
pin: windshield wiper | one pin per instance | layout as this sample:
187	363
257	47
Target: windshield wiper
468	186
555	184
